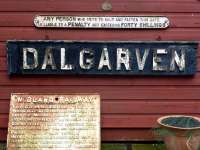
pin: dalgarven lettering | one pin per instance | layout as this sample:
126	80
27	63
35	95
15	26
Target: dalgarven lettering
102	58
87	59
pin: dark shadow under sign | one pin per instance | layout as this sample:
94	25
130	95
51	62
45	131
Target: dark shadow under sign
100	57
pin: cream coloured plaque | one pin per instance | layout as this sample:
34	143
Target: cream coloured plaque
116	22
54	121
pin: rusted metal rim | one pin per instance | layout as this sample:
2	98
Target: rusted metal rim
159	121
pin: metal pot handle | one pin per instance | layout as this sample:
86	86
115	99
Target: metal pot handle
188	143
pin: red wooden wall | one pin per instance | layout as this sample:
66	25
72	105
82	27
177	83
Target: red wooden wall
130	105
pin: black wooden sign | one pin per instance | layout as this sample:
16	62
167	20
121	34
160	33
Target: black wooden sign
99	57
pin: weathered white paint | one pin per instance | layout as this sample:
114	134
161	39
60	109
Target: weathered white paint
157	60
86	62
179	61
163	59
25	57
141	62
123	57
63	65
48	59
104	60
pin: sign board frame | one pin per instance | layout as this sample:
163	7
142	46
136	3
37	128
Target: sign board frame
75	53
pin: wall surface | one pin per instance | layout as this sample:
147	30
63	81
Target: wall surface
130	104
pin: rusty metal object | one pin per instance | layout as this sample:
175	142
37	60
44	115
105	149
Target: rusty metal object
106	6
64	122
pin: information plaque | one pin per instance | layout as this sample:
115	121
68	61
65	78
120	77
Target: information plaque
124	22
58	122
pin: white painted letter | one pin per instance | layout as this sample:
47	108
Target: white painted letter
48	59
25	57
104	60
123	58
88	63
180	61
141	62
157	60
63	65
